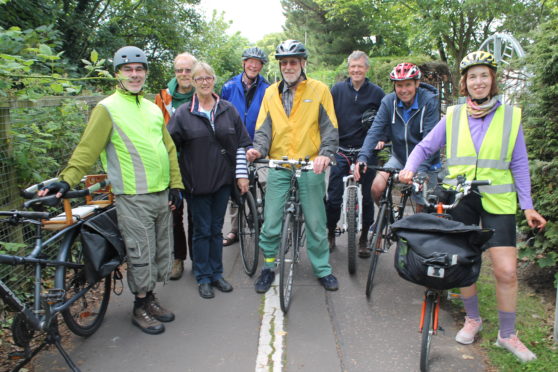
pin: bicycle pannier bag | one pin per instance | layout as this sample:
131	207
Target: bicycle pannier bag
103	247
438	253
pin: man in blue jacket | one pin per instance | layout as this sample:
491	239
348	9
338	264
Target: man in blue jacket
245	91
405	116
356	102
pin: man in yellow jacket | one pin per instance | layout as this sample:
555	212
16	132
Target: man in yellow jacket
296	119
128	133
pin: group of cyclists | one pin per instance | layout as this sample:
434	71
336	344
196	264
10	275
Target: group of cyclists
296	117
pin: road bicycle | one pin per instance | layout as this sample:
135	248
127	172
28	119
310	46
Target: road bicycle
250	220
293	235
351	208
381	237
439	262
61	285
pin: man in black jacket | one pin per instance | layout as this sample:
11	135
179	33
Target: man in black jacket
356	101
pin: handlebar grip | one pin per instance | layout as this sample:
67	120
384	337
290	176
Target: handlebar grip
25	214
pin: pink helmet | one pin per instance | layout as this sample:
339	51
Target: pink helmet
405	71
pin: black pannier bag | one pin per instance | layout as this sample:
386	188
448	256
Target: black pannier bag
438	253
103	247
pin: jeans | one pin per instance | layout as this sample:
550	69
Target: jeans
208	213
335	192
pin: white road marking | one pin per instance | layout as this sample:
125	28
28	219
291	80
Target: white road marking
272	333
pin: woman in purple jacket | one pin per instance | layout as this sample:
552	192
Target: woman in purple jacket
485	140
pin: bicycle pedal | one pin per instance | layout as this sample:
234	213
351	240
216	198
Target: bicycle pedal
53	295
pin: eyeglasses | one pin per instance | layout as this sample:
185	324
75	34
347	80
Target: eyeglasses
182	70
201	79
292	62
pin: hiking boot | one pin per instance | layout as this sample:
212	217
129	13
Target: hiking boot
158	312
177	269
470	329
363	251
329	282
265	280
147	323
516	347
331	239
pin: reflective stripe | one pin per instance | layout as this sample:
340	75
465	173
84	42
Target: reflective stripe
139	169
464	160
508	117
497	189
113	168
455	131
491	163
268	260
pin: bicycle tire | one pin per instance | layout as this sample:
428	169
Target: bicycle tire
381	225
248	233
287	260
427	333
84	316
352	213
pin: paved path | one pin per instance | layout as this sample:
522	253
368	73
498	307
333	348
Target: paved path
323	331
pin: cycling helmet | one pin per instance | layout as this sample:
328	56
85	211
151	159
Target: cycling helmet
405	71
255	53
479	57
129	54
291	48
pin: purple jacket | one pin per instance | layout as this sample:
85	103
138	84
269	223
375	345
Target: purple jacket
519	165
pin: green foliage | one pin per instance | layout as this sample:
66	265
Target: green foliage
540	121
11	248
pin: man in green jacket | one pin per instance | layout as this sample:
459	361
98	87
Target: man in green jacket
129	134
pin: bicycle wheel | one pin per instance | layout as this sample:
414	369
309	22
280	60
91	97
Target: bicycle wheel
86	314
427	333
352	213
248	232
287	260
380	229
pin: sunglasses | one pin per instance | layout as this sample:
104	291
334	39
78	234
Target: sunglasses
291	62
182	70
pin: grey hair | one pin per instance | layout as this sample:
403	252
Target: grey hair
203	66
185	55
358	54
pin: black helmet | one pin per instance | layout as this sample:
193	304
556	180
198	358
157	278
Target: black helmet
129	54
291	48
255	53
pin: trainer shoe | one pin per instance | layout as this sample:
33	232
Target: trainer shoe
265	280
329	282
158	312
516	347
146	322
363	251
177	269
470	329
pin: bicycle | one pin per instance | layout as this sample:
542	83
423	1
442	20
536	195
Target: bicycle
250	220
81	301
388	213
440	262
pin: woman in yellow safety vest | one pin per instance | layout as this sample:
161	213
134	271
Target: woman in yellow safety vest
484	140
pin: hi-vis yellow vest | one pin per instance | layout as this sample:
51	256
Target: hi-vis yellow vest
135	158
493	160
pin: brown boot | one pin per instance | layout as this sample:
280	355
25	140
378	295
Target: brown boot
363	251
147	323
331	239
177	269
158	312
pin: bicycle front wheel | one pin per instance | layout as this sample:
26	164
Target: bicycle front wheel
86	314
375	246
287	261
427	332
352	213
249	231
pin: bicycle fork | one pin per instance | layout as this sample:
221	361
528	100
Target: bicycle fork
435	314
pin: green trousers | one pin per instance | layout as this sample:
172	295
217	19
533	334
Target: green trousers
311	191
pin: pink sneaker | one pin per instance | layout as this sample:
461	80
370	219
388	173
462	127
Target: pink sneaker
516	347
470	329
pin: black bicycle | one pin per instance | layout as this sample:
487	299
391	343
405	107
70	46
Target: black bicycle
381	238
250	220
68	289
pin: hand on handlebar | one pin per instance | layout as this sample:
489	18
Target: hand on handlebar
320	163
534	219
406	176
252	154
243	184
357	170
59	187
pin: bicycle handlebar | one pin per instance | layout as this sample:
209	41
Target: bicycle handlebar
285	162
25	215
462	189
52	200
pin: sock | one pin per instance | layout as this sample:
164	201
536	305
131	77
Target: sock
139	302
507	323
472	307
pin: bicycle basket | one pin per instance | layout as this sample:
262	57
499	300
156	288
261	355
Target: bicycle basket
103	247
438	253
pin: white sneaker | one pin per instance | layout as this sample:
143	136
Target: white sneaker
470	329
516	347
